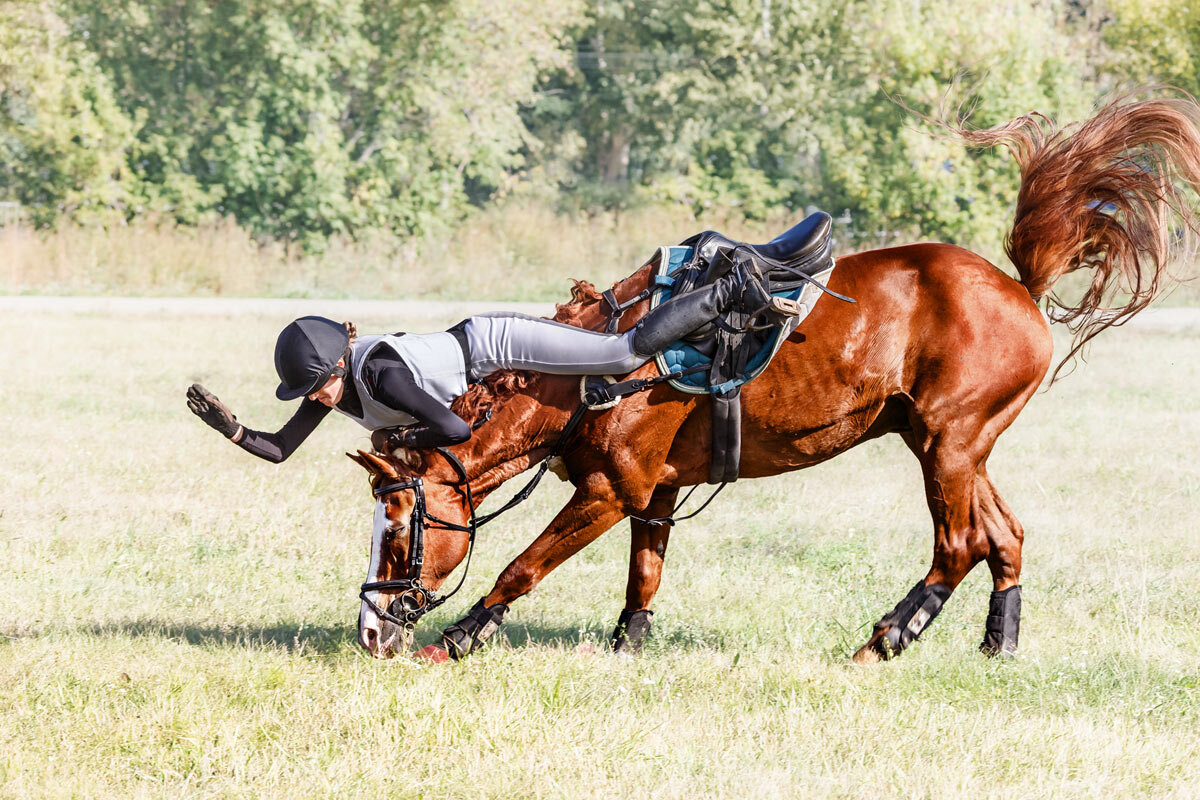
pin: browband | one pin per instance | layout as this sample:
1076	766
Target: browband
396	487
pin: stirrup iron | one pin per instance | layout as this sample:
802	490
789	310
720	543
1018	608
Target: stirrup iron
784	306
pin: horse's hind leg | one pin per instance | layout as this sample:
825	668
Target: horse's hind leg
1005	537
648	546
952	480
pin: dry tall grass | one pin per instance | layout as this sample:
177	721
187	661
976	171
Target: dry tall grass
515	252
519	251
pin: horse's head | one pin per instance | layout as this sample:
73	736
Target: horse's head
412	550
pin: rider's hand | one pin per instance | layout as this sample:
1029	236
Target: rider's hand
385	440
205	405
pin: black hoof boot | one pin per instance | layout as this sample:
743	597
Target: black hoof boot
1003	623
631	631
910	617
470	632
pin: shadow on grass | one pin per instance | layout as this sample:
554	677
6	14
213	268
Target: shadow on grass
293	637
327	640
520	635
661	638
331	639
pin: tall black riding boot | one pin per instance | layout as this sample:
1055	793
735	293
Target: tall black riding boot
679	316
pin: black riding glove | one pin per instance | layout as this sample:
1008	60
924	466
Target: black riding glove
385	440
207	407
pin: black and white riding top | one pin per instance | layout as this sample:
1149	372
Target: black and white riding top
383	390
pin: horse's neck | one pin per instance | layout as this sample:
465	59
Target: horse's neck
527	425
521	433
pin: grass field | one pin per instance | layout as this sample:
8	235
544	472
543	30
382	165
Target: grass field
178	617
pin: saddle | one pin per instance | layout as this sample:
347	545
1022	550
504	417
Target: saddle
806	248
719	359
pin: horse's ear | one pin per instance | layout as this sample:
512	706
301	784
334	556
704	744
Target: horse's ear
372	463
376	464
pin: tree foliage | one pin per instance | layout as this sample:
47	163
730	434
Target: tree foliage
1156	40
759	105
304	119
307	118
63	137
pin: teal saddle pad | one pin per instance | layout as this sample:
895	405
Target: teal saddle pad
681	355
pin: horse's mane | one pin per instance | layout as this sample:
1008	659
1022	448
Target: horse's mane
482	397
583	295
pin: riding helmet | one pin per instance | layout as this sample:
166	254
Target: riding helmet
307	353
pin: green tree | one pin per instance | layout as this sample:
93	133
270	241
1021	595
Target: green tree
1156	40
63	139
900	177
304	119
758	105
664	101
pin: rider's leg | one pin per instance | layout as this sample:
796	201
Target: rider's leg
516	341
679	316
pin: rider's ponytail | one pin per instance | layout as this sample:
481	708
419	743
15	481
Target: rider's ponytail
352	332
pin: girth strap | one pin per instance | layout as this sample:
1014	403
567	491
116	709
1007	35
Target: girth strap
726	437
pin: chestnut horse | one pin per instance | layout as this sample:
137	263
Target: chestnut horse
941	348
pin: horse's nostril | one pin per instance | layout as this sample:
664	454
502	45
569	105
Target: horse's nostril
370	639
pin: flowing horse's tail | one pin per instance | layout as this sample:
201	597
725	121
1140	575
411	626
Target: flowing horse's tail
1101	196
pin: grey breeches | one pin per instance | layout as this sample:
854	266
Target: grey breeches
516	341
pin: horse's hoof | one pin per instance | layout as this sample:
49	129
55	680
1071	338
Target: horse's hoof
999	654
432	654
866	655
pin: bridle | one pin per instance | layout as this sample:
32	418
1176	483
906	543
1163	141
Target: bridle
415	599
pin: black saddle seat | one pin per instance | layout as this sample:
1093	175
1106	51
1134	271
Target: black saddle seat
800	241
786	263
807	247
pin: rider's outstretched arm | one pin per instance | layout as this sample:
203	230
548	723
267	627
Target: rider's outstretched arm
274	447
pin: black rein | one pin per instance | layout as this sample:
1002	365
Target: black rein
415	600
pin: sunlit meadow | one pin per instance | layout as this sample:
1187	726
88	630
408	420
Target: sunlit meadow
178	617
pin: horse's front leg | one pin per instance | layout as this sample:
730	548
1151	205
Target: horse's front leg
592	510
647	548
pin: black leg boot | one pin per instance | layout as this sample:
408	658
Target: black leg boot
631	631
1003	623
470	632
679	316
910	617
